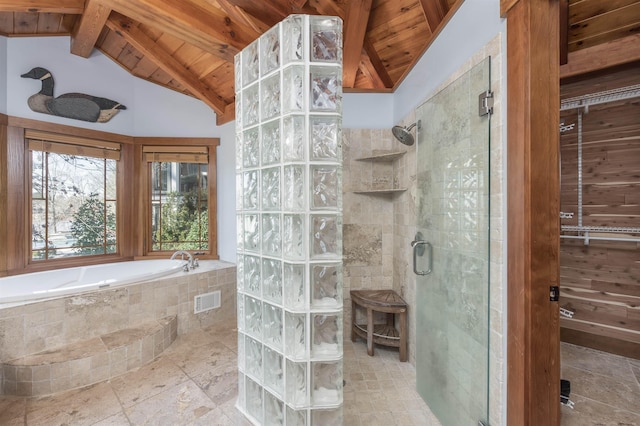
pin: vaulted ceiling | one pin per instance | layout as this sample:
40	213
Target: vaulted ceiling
189	45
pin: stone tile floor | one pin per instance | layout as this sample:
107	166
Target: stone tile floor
194	382
605	388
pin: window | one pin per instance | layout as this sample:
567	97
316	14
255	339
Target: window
77	197
179	195
73	196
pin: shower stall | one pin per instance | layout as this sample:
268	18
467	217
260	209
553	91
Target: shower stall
451	249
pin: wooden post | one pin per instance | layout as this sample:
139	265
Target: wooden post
533	111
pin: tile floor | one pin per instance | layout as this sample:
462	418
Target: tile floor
604	387
194	382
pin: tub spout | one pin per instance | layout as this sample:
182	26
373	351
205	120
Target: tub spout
182	254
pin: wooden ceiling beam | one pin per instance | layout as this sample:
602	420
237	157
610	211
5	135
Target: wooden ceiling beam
506	6
228	115
75	7
128	29
434	12
369	70
355	28
602	56
269	12
196	22
242	17
88	28
328	8
377	65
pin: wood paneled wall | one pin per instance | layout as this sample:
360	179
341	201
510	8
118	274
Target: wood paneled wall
600	281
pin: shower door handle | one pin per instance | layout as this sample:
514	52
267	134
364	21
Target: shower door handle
418	246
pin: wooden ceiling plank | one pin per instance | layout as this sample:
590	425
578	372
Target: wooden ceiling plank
604	37
597	25
6	23
88	28
127	28
585	10
68	22
51	6
129	57
355	28
297	4
25	23
195	22
434	12
605	55
49	23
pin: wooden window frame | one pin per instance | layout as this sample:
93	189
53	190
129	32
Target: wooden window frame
175	150
54	143
15	198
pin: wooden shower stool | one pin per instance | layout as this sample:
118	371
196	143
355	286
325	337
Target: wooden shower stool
387	301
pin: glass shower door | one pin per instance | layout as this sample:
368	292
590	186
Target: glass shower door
452	307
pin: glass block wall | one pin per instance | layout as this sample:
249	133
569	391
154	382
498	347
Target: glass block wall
289	220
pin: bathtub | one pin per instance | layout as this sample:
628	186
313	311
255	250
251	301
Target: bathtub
60	282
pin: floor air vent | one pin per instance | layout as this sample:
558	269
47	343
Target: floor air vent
206	302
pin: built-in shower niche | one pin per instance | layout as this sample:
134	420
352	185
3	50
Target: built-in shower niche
382	173
289	222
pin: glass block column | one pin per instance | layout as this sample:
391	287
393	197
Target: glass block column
289	221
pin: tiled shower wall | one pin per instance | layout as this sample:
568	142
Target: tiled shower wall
378	229
368	230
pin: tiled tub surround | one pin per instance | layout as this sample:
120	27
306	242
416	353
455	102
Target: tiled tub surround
51	325
89	361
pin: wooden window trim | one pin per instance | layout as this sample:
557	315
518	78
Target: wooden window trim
178	150
71	140
61	148
15	200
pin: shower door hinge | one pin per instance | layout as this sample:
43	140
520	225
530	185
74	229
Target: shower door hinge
485	103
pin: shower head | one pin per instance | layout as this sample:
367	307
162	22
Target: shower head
403	134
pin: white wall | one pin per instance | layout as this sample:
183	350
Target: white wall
151	110
96	75
475	24
367	111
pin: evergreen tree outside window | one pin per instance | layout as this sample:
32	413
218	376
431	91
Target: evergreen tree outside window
73	198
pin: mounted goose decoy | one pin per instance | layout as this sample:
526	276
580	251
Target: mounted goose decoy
70	105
